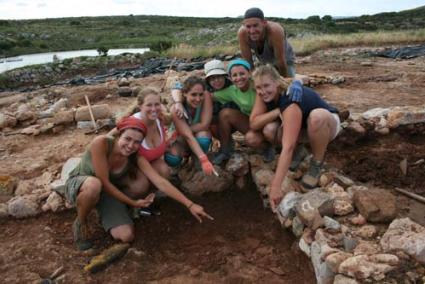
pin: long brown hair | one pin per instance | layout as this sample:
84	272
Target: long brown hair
190	82
269	70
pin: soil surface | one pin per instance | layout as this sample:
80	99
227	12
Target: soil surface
245	243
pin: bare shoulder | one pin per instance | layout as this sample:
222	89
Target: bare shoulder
274	28
100	141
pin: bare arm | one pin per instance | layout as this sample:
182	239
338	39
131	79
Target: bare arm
260	116
98	150
246	52
277	39
184	130
165	186
292	119
206	115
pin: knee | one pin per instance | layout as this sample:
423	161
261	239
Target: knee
123	233
224	115
253	139
91	188
316	120
163	169
204	142
269	132
172	160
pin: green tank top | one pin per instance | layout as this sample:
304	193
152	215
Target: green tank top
85	167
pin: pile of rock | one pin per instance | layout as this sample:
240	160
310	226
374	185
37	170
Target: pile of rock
34	116
343	228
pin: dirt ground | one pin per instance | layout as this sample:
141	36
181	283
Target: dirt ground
244	243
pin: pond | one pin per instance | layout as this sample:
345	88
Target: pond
10	63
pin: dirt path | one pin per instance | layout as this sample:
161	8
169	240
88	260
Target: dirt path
245	242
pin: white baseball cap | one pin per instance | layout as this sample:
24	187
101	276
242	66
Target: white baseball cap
214	67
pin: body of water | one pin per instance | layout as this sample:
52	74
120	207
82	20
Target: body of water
10	63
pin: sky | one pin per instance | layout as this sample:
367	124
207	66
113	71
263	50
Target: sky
40	9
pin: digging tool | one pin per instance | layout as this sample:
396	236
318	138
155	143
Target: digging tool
91	115
411	195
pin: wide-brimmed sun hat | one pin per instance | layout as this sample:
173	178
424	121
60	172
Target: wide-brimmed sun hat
214	67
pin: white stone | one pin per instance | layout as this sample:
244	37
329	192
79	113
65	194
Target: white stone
23	206
375	112
407	236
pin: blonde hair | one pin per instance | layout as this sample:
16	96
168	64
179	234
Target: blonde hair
142	93
269	70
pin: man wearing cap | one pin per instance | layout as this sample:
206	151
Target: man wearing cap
267	40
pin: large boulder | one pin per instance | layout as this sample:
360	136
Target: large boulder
23	206
375	204
199	183
99	112
407	236
368	266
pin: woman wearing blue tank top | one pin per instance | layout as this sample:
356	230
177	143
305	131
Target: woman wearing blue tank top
192	129
273	109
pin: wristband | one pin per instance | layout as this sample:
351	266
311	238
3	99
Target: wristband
190	206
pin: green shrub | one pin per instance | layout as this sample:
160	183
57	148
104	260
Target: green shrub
160	45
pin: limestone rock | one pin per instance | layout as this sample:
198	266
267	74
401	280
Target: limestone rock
376	205
312	206
63	117
124	91
23	206
199	183
8	185
366	231
407	236
7	120
123	82
367	247
4	211
363	267
375	113
24	113
286	207
342	279
238	164
53	202
334	260
405	115
324	273
356	127
99	112
263	177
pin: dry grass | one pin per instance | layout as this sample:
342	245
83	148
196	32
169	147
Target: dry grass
311	44
308	45
188	51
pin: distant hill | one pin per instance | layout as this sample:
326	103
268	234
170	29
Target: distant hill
161	32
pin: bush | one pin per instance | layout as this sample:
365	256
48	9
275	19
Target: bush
103	51
160	45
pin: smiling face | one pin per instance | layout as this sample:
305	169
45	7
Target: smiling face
195	95
266	88
129	141
217	81
151	107
240	77
255	28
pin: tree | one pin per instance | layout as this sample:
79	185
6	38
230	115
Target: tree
103	51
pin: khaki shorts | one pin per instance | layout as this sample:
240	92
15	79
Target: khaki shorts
112	212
